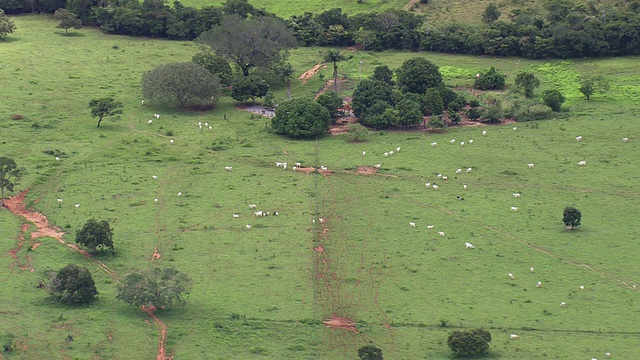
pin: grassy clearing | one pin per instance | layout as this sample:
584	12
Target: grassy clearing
299	7
256	293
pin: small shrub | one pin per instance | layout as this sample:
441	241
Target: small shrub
455	118
474	103
169	132
221	145
469	343
533	112
357	133
115	47
474	113
436	122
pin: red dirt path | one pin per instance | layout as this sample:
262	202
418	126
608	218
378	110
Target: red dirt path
163	332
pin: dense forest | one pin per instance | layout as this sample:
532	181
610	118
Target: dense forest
567	29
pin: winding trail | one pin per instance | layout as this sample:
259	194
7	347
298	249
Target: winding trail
16	205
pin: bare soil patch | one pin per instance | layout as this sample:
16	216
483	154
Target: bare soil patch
309	73
340	323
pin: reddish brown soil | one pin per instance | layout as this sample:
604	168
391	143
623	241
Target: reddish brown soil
367	170
306	170
163	332
309	73
340	323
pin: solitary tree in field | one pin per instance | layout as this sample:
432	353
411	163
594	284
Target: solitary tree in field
6	24
103	107
95	235
571	217
590	84
370	352
491	14
183	83
67	20
334	56
469	343
154	287
417	75
9	172
527	82
72	285
301	118
490	80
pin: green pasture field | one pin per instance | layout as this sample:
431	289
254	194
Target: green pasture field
264	293
299	7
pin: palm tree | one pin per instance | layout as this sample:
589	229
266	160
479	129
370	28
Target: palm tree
334	56
287	71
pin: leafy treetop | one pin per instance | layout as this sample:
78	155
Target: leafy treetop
67	20
154	287
104	107
571	217
9	171
417	75
6	24
72	285
95	234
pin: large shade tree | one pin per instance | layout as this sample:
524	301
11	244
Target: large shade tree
96	235
72	285
154	288
9	172
184	84
417	75
301	118
469	343
251	43
571	217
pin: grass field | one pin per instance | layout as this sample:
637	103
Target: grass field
264	293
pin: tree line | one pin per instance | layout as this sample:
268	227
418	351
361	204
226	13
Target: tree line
567	29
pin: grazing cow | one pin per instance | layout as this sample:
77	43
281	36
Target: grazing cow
563	304
452	141
235	215
511	276
252	206
469	246
514	208
248	227
464	186
531	166
578	138
427	184
429	226
412	224
582	163
435	187
516	195
539	284
228	168
484	133
514	337
625	139
441	233
469	170
434	144
458	171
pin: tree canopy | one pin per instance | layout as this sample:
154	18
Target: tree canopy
469	343
367	93
250	87
6	24
417	75
95	235
301	118
491	14
155	286
553	99
490	80
331	101
527	82
184	84
383	73
590	84
217	65
571	217
103	107
67	20
72	285
370	352
250	43
9	173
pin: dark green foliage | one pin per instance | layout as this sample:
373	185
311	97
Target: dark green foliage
154	287
408	113
67	20
6	25
249	87
491	14
469	343
331	101
301	118
590	84
571	217
184	84
447	95
258	42
379	116
490	80
9	172
242	8
72	285
433	104
370	352
526	82
269	101
456	105
383	73
96	235
454	117
474	113
104	107
436	122
216	65
553	99
474	103
493	114
417	75
366	94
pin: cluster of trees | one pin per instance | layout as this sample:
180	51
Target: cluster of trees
6	25
418	91
570	29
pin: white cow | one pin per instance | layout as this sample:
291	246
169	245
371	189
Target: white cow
469	246
412	224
